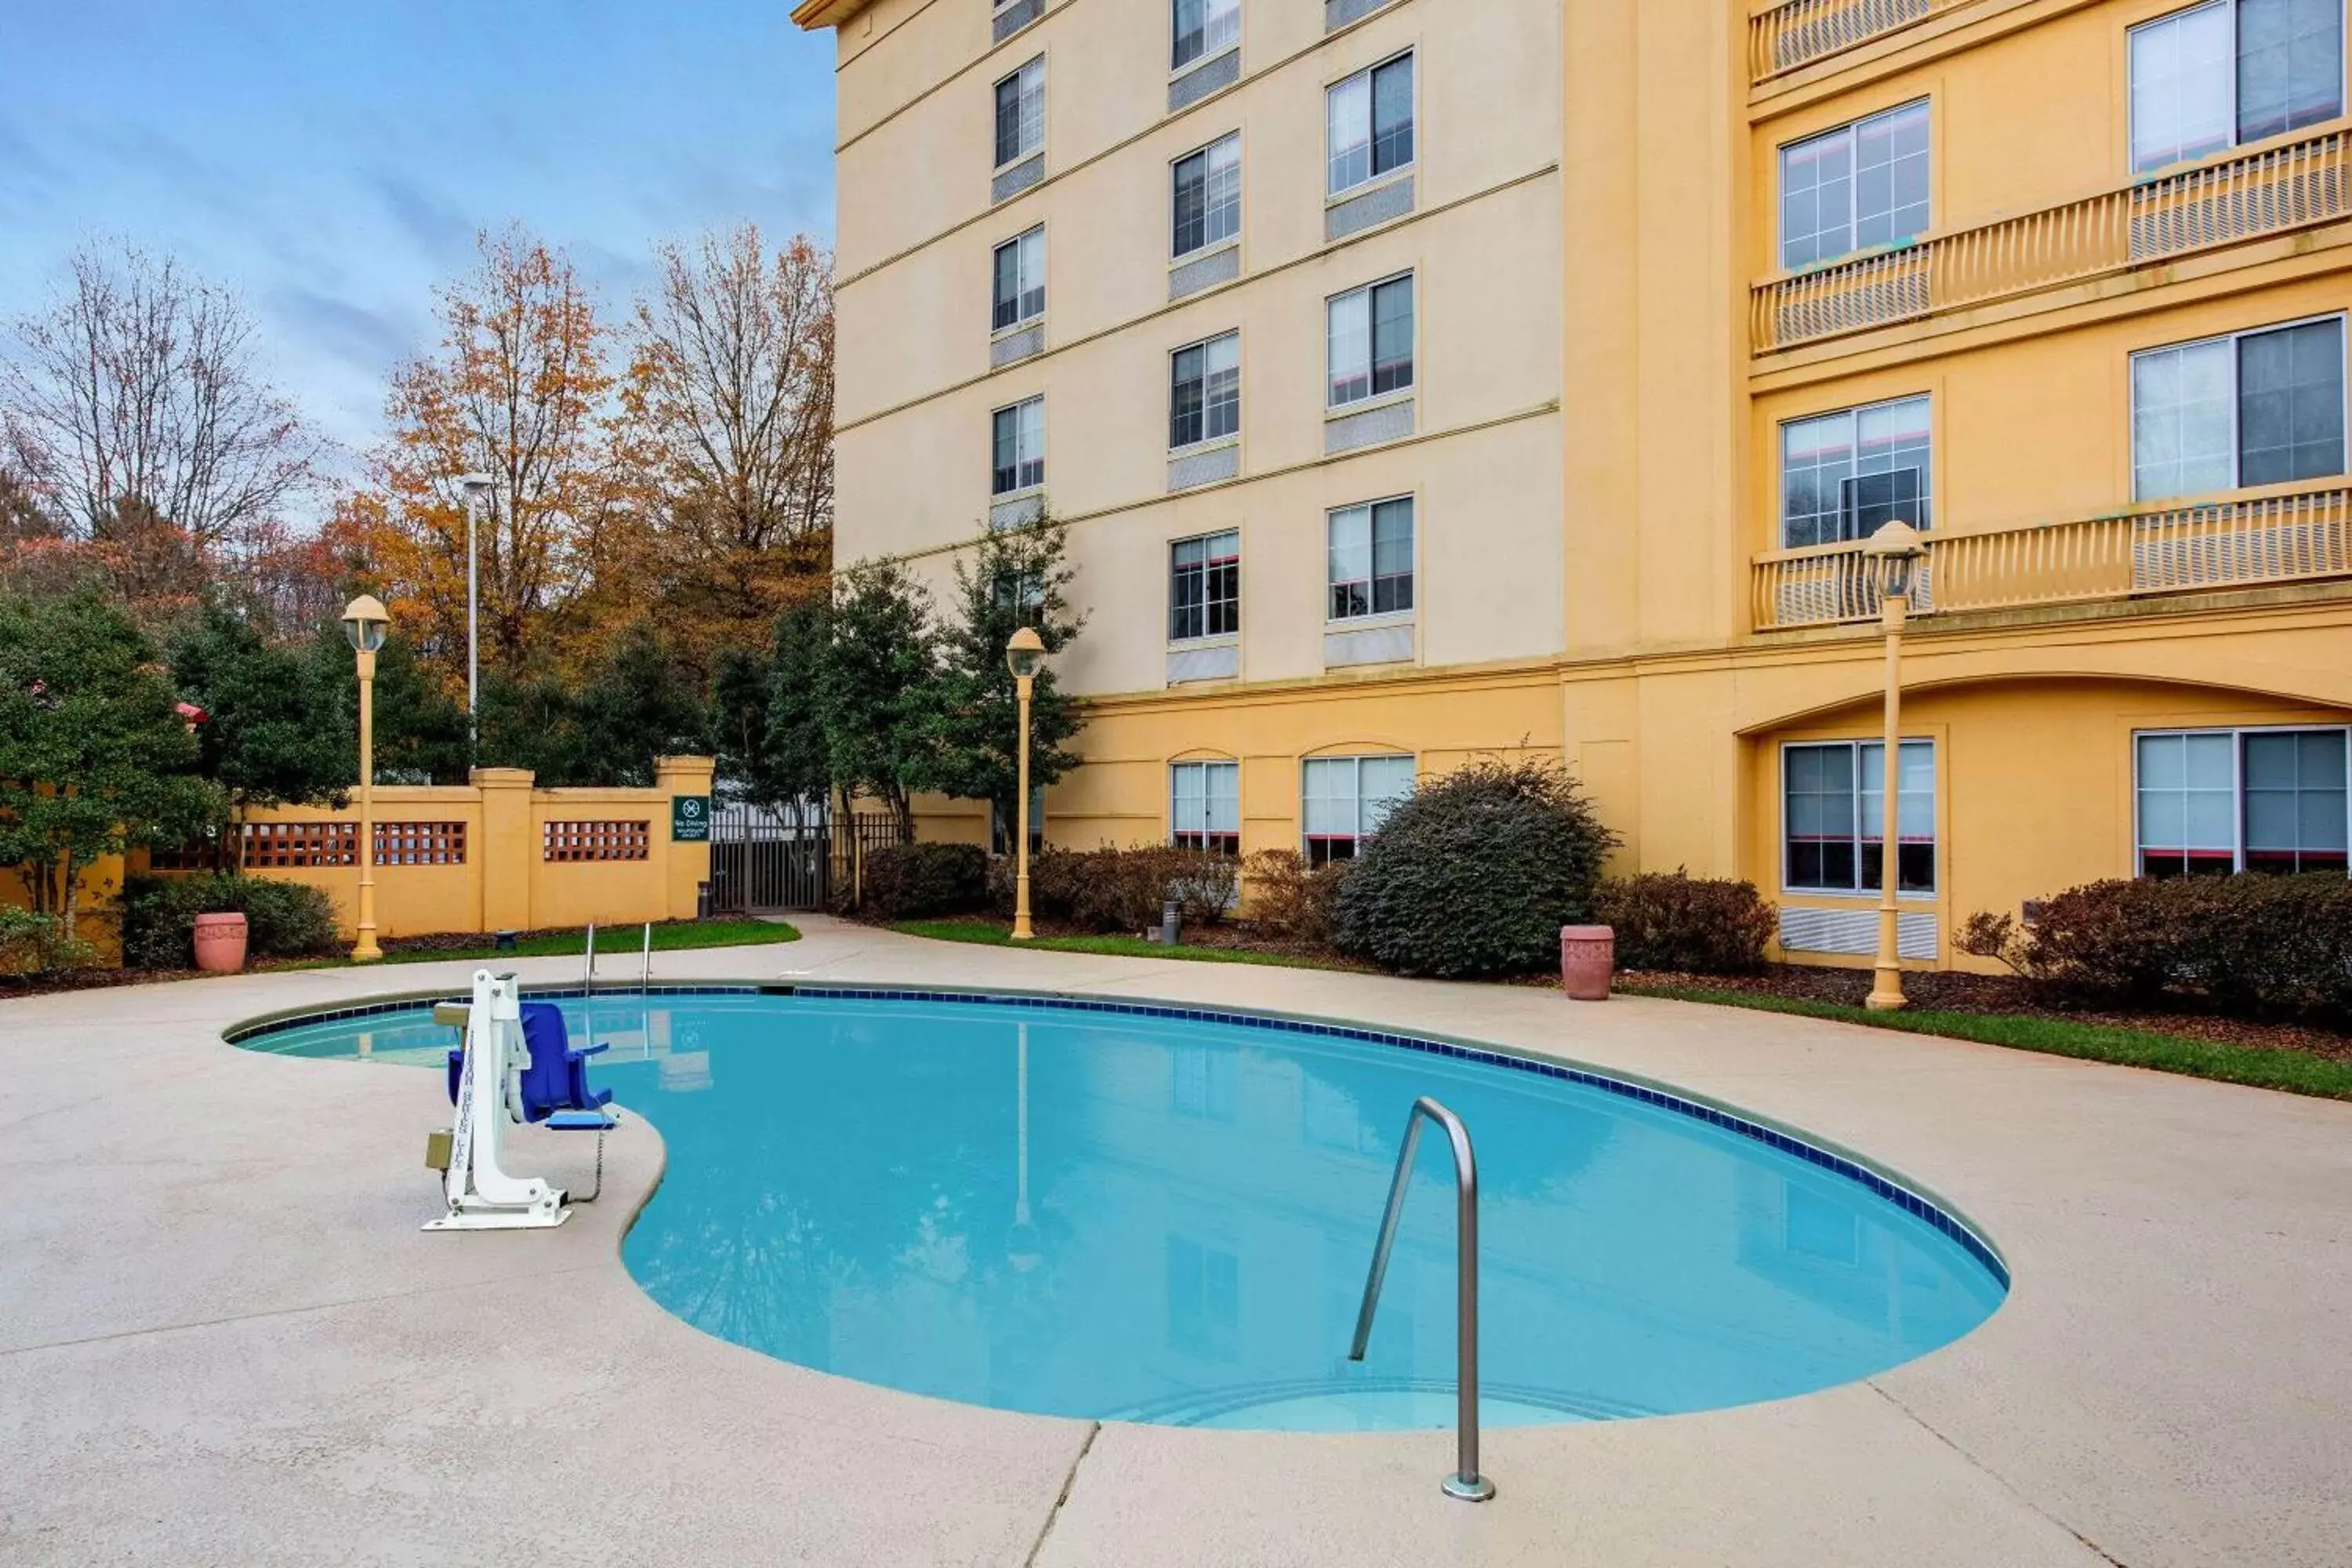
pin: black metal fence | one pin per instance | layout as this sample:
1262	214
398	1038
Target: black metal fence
766	862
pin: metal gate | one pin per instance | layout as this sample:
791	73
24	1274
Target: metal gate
764	863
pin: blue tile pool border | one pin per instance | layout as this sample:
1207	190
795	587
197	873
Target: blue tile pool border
1903	1197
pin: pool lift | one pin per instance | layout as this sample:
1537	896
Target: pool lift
517	1065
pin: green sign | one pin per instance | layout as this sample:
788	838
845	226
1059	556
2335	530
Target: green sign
689	819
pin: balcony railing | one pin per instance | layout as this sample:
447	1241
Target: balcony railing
1802	31
2161	219
2289	538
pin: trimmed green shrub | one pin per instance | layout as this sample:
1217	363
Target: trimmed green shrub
916	881
1290	902
1121	890
2254	945
283	920
1690	925
1476	873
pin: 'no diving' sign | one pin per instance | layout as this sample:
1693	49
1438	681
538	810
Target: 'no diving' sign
689	819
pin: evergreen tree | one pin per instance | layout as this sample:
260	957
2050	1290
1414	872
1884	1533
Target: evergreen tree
877	692
1019	577
271	734
421	734
797	760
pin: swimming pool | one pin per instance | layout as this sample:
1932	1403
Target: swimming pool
1165	1215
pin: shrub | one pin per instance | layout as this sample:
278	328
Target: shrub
1692	925
283	920
37	944
915	882
1290	902
1111	889
2253	945
1476	873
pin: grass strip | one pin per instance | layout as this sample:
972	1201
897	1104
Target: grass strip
2296	1072
679	936
985	934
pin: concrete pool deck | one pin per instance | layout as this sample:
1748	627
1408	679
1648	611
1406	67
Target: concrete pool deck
224	1341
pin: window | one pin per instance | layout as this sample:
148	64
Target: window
1020	291
2232	71
1204	28
1205	808
1834	814
1346	799
1859	186
1208	195
1372	558
1371	341
1204	587
1019	458
2214	802
2260	408
1001	826
1844	475
1021	114
1371	124
1204	391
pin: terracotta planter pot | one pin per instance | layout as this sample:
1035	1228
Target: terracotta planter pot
1588	955
220	944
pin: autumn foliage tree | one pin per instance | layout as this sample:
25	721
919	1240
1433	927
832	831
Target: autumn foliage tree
520	390
734	376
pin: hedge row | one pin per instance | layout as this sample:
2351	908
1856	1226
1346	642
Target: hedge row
283	920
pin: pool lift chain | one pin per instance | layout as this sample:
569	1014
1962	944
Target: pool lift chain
1465	1483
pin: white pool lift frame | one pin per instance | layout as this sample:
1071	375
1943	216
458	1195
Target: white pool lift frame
482	1195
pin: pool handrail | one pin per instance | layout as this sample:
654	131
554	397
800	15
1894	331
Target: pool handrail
1465	1484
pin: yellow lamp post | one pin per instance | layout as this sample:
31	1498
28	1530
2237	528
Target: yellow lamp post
1024	655
365	622
1894	552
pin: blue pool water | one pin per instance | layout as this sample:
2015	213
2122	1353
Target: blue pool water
1129	1216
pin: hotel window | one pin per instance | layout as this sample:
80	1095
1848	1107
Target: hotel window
1346	799
2232	71
2258	408
1021	114
1834	816
1204	28
1204	806
1372	558
2212	802
1844	475
1208	195
1204	391
1370	342
1860	186
1371	124
1018	461
1020	286
1204	586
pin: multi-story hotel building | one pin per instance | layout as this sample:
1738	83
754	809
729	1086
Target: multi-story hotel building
1420	380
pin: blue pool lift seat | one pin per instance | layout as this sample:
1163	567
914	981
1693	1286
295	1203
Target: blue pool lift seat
555	1090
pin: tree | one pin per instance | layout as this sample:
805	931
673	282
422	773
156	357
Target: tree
1019	577
94	756
767	726
520	392
271	732
734	375
877	691
639	701
134	406
421	734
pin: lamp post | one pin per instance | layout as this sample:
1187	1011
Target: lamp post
365	622
478	491
1893	551
1024	655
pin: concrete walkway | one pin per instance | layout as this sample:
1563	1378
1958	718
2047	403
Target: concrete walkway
223	1339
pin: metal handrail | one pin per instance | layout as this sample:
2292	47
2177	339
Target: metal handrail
646	975
1465	1483
588	975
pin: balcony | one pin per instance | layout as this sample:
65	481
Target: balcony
2155	220
2281	536
1802	31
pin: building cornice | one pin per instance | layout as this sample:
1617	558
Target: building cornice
811	14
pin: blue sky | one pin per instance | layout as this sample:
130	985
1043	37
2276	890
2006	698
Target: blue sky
332	158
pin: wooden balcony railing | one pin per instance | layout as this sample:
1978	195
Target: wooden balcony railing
2161	219
2286	538
1802	31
